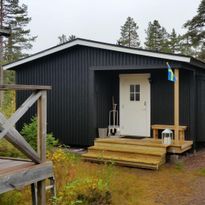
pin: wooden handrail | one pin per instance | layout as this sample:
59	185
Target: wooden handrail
24	87
180	131
171	127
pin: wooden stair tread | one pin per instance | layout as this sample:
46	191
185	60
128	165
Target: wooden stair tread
126	163
142	142
114	156
123	154
142	153
127	154
129	149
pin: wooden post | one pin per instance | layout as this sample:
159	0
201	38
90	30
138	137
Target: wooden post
155	134
42	130
42	125
1	83
33	194
176	106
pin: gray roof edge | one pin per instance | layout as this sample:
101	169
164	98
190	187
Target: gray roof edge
107	46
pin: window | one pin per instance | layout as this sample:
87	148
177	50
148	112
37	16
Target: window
135	92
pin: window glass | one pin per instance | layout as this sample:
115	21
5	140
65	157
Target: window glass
135	92
137	88
137	97
132	87
132	97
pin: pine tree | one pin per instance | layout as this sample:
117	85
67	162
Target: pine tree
157	37
196	30
174	42
186	47
129	36
64	39
16	17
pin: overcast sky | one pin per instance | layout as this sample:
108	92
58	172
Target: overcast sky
101	19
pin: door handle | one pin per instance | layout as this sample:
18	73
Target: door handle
145	103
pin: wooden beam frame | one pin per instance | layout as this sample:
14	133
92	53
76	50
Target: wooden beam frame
19	113
8	131
15	138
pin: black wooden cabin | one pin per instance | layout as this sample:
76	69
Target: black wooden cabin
85	74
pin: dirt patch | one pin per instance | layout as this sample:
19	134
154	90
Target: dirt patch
179	183
195	161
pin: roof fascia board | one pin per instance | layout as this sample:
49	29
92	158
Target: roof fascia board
101	46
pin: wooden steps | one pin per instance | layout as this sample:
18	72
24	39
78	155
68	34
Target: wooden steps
129	148
143	142
174	148
133	153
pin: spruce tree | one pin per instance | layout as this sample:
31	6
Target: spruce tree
196	31
174	42
16	17
157	37
129	36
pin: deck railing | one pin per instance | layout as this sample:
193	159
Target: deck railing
9	132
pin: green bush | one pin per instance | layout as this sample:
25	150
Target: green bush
29	132
8	150
11	198
86	191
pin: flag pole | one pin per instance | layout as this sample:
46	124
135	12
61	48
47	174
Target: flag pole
176	106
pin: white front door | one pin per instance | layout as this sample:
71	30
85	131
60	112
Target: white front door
135	105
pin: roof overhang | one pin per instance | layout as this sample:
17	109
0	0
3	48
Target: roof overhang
95	44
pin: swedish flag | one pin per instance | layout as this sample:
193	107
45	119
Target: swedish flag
171	75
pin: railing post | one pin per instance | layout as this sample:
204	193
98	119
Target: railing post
42	126
41	141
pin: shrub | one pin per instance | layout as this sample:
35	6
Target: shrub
88	191
8	106
11	198
8	150
74	189
29	131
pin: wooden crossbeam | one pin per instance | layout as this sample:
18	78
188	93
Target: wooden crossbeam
15	138
24	87
19	113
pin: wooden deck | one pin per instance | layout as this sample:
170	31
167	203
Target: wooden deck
143	153
15	174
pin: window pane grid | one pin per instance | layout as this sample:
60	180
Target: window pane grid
135	92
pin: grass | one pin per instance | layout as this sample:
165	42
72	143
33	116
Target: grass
179	166
128	186
201	172
8	150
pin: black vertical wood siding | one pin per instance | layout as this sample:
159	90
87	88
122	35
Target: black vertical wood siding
200	108
81	98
